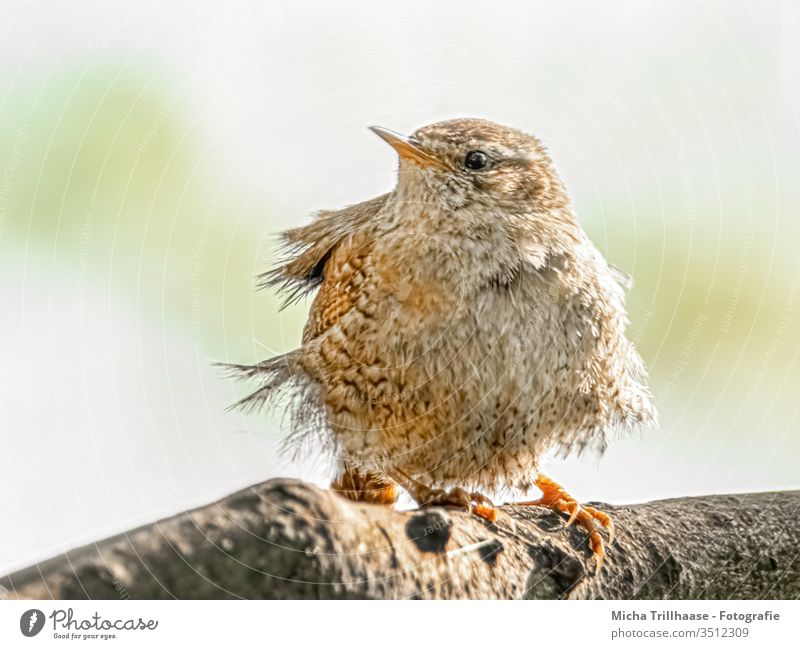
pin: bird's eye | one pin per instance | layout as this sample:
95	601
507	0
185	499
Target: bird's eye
476	160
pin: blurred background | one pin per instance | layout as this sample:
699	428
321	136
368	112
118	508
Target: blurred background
150	151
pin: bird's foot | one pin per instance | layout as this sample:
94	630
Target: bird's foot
483	507
554	497
426	496
365	487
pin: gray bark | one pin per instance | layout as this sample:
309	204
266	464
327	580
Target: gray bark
287	539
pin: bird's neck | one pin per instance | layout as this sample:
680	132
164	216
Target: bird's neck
465	247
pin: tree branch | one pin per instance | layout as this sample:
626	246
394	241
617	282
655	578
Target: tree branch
287	539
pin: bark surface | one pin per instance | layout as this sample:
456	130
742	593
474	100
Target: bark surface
288	539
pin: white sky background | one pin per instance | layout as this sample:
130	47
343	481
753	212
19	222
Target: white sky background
115	421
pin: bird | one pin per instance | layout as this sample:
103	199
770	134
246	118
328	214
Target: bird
462	326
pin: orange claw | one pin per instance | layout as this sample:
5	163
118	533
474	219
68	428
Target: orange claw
574	513
604	520
554	497
487	512
476	503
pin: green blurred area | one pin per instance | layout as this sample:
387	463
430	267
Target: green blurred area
108	185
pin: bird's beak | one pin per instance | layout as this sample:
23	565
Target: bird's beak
406	148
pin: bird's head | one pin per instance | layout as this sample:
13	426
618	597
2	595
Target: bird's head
463	163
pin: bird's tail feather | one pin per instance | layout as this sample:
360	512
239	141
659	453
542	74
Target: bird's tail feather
274	374
282	378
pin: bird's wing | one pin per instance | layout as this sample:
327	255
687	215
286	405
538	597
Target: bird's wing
342	281
308	248
313	252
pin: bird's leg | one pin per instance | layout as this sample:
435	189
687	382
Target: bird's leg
426	496
483	507
365	486
554	497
